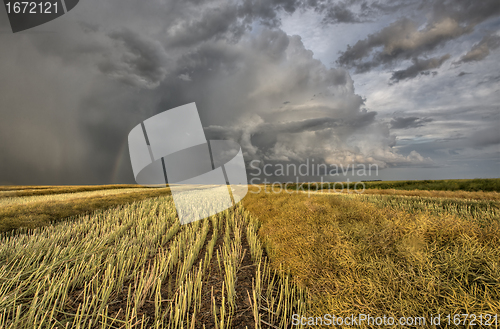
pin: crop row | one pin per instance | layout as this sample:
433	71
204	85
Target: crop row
135	266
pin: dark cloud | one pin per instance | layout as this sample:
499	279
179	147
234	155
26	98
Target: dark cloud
210	23
88	84
332	11
267	71
420	66
357	11
408	122
461	74
340	13
142	62
468	12
404	39
482	49
266	12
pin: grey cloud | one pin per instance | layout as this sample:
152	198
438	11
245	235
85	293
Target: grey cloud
482	49
264	72
333	11
414	159
340	13
461	74
357	11
400	40
403	39
272	43
391	6
480	114
238	79
89	27
486	137
419	66
142	63
212	23
299	126
481	145
469	12
266	11
316	124
489	79
409	122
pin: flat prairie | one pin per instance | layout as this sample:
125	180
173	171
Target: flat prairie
117	257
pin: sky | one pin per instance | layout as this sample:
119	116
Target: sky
412	87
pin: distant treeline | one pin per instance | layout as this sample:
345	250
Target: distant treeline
470	185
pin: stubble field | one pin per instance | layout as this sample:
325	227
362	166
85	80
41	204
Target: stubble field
110	259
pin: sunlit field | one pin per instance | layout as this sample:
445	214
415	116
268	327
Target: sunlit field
126	262
135	266
62	196
398	256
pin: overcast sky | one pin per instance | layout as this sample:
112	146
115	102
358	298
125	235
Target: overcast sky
412	86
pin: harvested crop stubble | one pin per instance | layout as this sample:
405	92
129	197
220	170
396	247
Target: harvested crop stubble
18	191
64	196
469	185
43	213
134	266
481	211
494	196
23	187
355	257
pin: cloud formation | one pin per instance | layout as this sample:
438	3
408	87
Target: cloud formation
284	105
340	13
142	61
481	49
486	137
210	23
92	81
420	66
405	39
399	41
288	106
408	122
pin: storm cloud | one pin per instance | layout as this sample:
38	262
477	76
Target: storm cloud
70	95
284	104
142	61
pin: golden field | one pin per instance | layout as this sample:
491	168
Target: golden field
84	257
